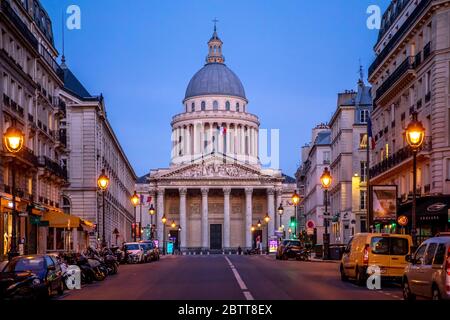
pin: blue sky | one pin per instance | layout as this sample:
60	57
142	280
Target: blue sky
292	56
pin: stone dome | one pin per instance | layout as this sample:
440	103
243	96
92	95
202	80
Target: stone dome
215	79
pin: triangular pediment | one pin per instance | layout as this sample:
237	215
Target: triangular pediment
214	167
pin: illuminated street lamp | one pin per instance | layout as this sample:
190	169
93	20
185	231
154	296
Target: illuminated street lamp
415	135
103	183
280	213
173	224
259	224
135	202
296	201
267	220
13	142
151	212
326	180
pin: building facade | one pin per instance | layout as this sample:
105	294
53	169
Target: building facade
30	84
349	163
316	156
215	188
411	74
93	146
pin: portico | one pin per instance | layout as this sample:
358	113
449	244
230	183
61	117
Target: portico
216	212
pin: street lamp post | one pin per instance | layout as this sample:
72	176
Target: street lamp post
280	213
103	183
135	202
164	221
152	212
295	201
415	135
267	220
13	142
326	180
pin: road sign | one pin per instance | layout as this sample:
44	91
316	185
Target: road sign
310	224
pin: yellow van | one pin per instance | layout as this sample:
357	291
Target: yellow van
387	251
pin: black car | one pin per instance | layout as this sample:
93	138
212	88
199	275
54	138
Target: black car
289	249
31	277
151	251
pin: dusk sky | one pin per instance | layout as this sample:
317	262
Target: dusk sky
293	57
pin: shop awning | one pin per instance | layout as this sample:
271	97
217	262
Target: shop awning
61	220
87	225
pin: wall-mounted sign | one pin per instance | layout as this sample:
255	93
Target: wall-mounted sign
402	221
436	207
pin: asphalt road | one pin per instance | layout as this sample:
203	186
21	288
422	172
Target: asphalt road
229	277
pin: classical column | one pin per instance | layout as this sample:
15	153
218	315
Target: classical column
279	192
248	217
183	224
226	217
205	240
159	214
271	210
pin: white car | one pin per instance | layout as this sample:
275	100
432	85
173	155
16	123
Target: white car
134	252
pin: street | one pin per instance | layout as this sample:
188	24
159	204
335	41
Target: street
229	277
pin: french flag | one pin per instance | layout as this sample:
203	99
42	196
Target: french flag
370	135
222	130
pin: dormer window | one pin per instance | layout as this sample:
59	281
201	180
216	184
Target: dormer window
215	105
193	107
203	105
227	106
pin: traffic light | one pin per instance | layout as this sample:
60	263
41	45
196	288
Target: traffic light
293	222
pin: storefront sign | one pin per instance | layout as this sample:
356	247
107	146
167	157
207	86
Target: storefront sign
273	246
384	202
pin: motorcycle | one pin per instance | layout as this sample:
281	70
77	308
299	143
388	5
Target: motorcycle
303	255
110	261
23	286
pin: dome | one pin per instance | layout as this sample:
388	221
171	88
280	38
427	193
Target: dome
215	79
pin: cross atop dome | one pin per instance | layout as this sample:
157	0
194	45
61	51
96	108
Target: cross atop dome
215	47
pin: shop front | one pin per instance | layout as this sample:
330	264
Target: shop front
432	216
64	233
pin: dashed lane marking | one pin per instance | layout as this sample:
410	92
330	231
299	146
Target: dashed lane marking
239	280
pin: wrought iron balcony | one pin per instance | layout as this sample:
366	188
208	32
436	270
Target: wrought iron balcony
397	158
53	167
402	69
398	35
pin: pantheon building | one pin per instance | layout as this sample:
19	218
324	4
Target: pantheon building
215	189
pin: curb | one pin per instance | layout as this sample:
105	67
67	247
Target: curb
325	261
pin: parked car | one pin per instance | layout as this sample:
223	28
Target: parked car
150	250
387	251
32	276
134	252
428	271
289	249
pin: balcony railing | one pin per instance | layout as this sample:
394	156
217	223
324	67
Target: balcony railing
408	64
397	158
53	167
19	24
398	35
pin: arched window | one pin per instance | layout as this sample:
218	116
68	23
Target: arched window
203	105
227	105
66	205
243	108
237	107
193	106
215	106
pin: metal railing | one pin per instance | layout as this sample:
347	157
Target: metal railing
397	158
52	166
408	64
401	32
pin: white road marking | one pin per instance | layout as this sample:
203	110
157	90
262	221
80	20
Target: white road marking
239	280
